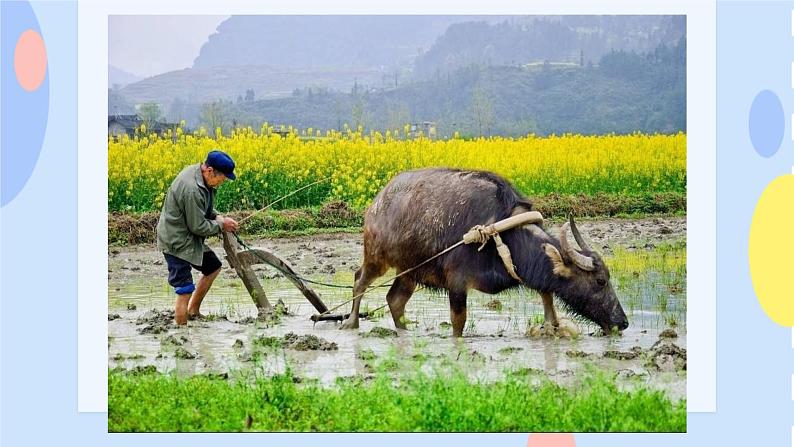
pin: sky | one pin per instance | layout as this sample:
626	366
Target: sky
149	45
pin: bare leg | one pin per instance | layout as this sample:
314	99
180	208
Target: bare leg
549	314
180	313
457	312
202	287
399	294
368	273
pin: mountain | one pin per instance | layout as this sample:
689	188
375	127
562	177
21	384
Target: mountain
624	92
522	40
472	75
228	82
118	77
384	42
274	55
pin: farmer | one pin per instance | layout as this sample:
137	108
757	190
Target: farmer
189	216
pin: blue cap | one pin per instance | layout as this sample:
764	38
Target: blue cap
221	162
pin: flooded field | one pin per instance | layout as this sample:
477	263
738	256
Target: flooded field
647	260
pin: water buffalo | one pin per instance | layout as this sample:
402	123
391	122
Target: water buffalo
420	213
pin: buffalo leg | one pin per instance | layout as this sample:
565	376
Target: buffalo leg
457	312
549	314
398	295
366	274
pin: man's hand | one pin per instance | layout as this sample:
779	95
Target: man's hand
227	223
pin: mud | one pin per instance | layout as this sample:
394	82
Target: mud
496	340
578	354
635	352
668	333
494	305
156	321
293	341
380	332
331	254
174	340
565	330
308	343
182	353
632	233
335	214
664	355
667	356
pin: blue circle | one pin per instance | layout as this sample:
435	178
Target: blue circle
767	123
23	114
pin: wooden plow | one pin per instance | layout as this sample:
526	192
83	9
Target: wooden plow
242	260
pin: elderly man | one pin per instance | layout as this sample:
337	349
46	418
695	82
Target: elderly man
187	218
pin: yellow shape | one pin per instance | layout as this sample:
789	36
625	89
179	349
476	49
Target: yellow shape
771	250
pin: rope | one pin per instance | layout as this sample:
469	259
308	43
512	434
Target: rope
282	198
480	234
404	272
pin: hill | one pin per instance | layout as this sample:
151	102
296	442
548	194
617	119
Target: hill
198	85
624	93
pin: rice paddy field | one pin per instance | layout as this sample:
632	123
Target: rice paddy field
231	372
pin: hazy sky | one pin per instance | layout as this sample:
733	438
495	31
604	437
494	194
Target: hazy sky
150	45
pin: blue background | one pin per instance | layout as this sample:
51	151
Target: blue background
38	305
24	113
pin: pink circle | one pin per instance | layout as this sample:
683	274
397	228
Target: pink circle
551	440
30	60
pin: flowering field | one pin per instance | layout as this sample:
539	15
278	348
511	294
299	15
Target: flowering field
357	166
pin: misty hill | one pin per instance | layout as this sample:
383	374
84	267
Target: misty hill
542	74
625	92
520	40
119	77
274	55
319	42
211	83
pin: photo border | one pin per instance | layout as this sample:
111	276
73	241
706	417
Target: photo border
92	159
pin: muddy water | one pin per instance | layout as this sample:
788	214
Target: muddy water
495	341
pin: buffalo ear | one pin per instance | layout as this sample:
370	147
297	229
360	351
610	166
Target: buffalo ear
560	269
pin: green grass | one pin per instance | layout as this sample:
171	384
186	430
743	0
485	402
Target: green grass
147	402
651	279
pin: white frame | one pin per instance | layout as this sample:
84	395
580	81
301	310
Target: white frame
92	158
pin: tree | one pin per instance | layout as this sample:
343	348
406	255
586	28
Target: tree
178	110
482	109
398	115
150	113
249	95
213	115
118	105
359	113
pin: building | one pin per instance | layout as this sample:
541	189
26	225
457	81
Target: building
425	128
128	124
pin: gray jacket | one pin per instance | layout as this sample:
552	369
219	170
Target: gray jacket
188	216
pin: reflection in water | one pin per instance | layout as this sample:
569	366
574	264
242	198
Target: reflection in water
494	340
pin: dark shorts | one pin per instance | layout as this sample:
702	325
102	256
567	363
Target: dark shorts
179	275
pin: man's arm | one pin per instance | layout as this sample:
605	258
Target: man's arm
194	217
